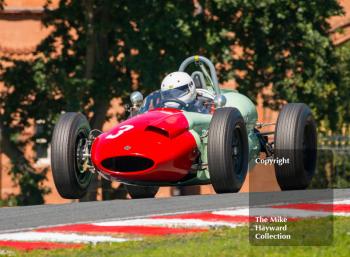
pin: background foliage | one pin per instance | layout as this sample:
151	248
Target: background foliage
99	50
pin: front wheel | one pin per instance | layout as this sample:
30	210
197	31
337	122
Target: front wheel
69	136
227	150
296	143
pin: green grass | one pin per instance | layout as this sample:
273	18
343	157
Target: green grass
217	243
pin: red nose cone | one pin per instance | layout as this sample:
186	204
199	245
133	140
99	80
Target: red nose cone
155	146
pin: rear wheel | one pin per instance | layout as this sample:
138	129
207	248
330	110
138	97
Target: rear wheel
69	136
296	142
137	192
227	150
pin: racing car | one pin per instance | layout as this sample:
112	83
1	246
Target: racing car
164	143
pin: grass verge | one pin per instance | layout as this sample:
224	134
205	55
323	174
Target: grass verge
217	243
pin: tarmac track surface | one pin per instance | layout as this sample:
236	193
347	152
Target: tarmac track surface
23	218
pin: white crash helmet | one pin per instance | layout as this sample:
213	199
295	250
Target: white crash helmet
178	85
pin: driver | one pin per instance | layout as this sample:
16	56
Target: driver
179	86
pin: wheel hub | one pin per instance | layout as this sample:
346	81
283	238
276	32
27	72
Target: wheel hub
82	159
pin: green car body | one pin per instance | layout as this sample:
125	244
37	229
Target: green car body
199	125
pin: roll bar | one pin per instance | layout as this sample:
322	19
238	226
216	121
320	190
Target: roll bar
202	59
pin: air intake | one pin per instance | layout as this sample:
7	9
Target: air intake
127	163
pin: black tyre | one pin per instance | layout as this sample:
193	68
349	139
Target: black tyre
296	142
70	133
227	150
137	192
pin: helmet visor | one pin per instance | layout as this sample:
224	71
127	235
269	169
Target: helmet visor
176	92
